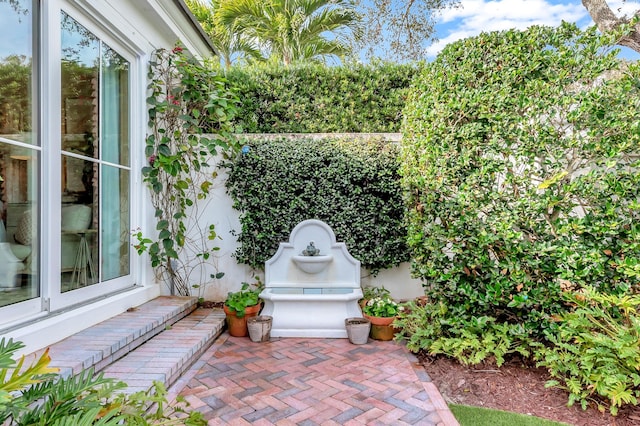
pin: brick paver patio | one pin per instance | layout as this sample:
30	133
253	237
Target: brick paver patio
296	381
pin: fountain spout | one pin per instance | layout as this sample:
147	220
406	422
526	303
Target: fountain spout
311	250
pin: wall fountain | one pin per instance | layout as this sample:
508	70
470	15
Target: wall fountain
312	284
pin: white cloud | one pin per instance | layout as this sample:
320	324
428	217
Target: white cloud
622	8
476	16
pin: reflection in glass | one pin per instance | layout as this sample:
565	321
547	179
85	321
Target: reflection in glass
80	90
115	98
19	237
79	245
115	223
16	73
95	140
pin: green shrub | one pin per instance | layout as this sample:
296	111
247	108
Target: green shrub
381	306
519	158
470	340
238	301
315	98
352	186
595	354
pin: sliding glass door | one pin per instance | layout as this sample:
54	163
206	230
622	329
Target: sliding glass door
84	221
95	159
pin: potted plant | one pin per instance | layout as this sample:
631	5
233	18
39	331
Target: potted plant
241	305
369	293
381	311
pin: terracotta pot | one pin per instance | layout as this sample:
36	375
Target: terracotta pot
238	326
381	328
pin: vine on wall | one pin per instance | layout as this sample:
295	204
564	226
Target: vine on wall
185	97
352	186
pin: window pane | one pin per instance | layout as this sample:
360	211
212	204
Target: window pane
80	88
79	238
16	73
115	222
114	107
19	236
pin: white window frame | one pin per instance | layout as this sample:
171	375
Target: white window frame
103	21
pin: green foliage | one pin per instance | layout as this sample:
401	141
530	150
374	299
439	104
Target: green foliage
319	99
229	44
470	340
595	354
14	376
34	395
240	300
294	30
352	186
381	306
371	292
521	169
185	97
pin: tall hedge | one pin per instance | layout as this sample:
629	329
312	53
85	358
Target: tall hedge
352	186
520	158
314	98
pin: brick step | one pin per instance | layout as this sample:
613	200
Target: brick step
104	343
169	354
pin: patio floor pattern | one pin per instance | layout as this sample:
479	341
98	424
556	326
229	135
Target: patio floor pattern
299	381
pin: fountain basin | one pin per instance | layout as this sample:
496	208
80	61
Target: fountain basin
310	311
312	264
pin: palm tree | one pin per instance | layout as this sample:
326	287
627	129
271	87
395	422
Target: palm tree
229	44
293	30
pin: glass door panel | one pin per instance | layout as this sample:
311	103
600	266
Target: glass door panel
79	218
116	229
19	162
95	234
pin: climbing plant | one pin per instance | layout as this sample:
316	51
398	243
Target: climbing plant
185	97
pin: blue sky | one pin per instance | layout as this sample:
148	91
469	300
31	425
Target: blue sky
476	16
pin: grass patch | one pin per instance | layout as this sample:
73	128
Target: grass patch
476	416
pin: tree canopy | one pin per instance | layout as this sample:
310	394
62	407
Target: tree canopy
293	30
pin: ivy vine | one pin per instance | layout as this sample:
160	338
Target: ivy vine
352	186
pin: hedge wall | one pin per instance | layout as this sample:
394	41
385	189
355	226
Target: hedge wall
319	99
520	158
352	186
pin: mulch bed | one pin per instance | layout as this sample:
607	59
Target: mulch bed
515	387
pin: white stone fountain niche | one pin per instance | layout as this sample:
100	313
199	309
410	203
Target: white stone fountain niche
311	296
